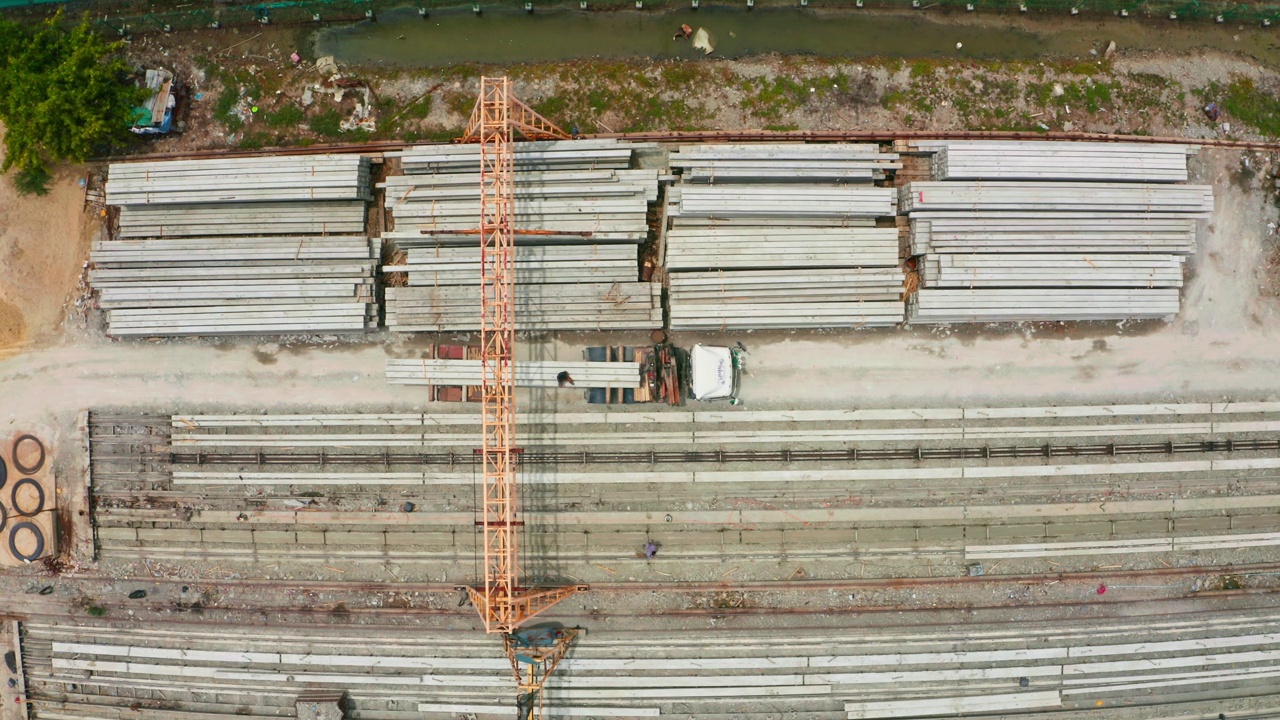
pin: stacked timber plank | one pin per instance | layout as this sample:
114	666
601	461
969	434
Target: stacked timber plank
531	373
1050	160
1051	231
780	236
232	286
580	215
280	195
262	245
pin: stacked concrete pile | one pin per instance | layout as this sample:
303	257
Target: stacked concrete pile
962	668
768	236
279	195
584	187
580	213
234	286
553	306
238	246
529	373
1056	160
1051	231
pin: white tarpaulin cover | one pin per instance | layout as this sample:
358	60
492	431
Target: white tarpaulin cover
712	370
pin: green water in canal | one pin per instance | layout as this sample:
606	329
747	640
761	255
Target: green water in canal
500	35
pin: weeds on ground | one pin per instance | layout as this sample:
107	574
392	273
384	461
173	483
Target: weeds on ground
224	109
1251	106
286	117
327	123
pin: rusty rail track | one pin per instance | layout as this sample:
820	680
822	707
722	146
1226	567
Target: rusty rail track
854	584
299	616
710	136
784	456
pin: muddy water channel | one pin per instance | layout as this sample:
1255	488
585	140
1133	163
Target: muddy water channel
402	37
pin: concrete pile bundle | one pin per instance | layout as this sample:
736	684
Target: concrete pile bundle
782	163
1051	231
529	373
1051	270
529	156
320	217
535	264
1074	197
1026	232
310	194
236	286
562	306
933	306
581	212
571	191
750	248
259	245
1056	160
798	204
780	236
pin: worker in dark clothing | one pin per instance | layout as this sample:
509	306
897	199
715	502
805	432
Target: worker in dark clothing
524	705
564	378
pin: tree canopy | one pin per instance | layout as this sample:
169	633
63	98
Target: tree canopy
64	94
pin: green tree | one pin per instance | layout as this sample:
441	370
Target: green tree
64	95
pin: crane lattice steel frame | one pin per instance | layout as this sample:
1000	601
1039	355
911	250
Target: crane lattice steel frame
503	603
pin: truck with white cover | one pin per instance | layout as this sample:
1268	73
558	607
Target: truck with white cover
715	373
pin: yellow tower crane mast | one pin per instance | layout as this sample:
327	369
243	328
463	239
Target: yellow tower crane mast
504	603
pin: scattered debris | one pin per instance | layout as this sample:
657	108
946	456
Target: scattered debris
327	66
702	41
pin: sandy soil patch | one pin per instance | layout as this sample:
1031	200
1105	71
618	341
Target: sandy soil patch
44	242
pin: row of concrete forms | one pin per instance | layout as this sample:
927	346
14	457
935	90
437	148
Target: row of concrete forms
1154	630
748	236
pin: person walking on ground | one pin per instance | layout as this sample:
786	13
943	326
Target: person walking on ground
564	378
650	549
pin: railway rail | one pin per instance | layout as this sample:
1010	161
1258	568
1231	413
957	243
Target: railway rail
152	446
341	599
828	136
1133	575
